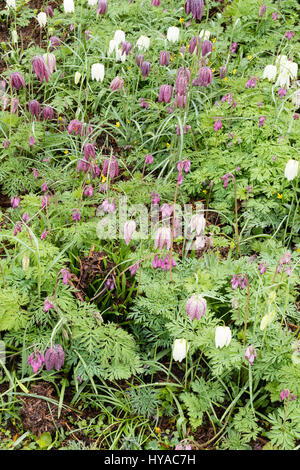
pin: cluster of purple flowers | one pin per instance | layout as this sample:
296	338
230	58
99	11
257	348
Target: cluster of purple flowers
54	358
182	165
284	261
181	84
287	395
163	263
239	281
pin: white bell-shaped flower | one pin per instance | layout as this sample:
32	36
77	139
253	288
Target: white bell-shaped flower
98	72
222	336
291	169
180	349
173	34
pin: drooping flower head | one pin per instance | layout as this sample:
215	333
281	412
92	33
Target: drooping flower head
250	354
196	307
164	58
180	349
50	62
75	127
111	167
117	84
204	78
66	275
195	7
48	113
17	81
36	360
165	93
291	169
54	357
222	336
129	229
163	238
40	68
206	48
102	7
34	108
145	68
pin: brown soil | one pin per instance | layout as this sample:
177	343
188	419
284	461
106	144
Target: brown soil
39	415
27	34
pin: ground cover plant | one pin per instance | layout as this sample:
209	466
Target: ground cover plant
149	224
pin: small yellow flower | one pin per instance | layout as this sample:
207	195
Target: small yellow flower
66	152
103	178
60	118
209	63
128	122
225	79
168	145
234	71
157	430
214	40
118	124
232	245
279	196
214	48
205	191
181	20
250	57
213	70
128	68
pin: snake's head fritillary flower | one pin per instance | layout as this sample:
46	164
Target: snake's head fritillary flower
17	81
291	169
206	48
173	34
196	307
97	72
42	19
180	349
34	108
145	68
195	7
69	6
110	167
165	93
48	113
163	238
262	10
102	7
222	336
40	68
117	84
54	357
129	229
